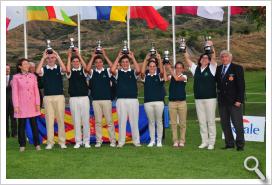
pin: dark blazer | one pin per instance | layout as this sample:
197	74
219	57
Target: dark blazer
230	88
9	91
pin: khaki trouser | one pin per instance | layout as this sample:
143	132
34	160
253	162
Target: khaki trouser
205	109
80	109
178	116
103	107
154	112
54	107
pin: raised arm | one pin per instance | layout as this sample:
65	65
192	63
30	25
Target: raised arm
81	60
40	65
165	73
115	64
89	66
160	65
136	65
106	57
213	56
62	66
187	59
68	67
173	74
144	66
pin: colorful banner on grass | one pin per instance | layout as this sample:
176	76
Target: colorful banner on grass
69	127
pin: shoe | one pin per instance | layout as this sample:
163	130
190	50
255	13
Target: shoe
63	146
22	149
87	145
120	145
210	147
98	145
113	144
151	144
49	147
227	147
77	145
181	144
137	145
38	148
203	145
175	144
159	144
240	149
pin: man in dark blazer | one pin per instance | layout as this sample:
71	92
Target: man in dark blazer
9	106
231	90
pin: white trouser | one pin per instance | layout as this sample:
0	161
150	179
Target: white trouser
205	109
80	110
154	111
128	108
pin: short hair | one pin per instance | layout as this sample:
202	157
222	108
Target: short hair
98	57
179	63
19	63
226	52
8	65
124	57
155	60
74	57
201	56
32	64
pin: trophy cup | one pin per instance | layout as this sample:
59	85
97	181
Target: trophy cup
182	45
165	57
125	49
153	50
49	50
207	47
72	46
98	49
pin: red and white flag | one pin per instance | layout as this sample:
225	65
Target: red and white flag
208	12
7	23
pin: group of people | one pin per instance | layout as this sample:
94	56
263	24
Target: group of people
224	82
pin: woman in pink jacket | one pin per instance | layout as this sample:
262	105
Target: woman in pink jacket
26	102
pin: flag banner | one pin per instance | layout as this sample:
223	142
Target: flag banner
111	13
69	127
7	23
49	13
254	128
150	15
208	12
237	10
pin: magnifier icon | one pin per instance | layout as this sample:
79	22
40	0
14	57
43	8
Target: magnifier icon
255	168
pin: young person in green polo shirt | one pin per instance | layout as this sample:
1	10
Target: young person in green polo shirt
205	96
177	103
153	96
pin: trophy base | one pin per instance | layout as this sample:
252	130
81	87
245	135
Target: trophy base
49	51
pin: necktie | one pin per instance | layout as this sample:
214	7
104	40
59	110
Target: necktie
223	71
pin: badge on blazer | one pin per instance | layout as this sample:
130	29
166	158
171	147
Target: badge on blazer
206	74
104	76
231	78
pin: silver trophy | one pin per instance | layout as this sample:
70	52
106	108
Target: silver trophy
72	46
125	49
166	57
182	45
49	50
207	47
98	49
153	50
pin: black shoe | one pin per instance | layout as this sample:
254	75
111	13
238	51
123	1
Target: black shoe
227	147
240	149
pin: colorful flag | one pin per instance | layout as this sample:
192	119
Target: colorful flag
150	15
7	23
111	13
237	10
208	12
49	13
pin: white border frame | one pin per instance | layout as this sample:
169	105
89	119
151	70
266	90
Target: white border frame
137	181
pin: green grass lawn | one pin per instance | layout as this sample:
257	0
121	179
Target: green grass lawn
158	163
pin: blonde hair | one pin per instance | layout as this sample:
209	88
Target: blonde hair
32	64
226	52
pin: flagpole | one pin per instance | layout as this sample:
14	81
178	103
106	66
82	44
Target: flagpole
78	32
174	35
25	33
128	27
228	38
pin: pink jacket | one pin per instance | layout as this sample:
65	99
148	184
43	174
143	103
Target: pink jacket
25	95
